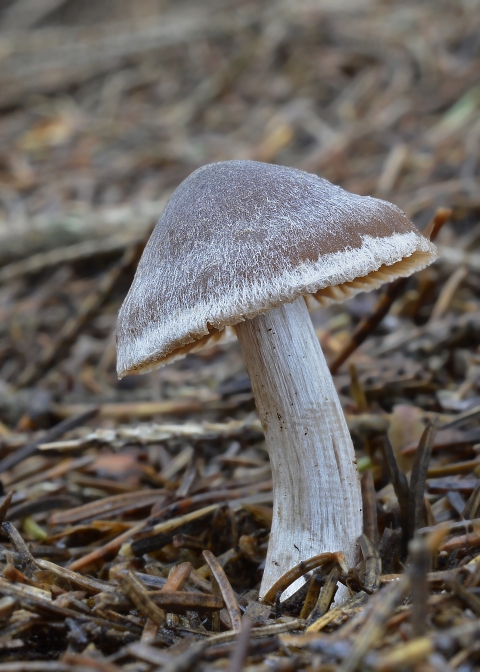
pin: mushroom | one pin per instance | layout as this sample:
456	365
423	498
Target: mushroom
254	246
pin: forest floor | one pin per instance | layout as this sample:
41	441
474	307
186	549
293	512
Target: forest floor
136	513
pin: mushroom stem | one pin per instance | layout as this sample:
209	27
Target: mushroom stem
317	503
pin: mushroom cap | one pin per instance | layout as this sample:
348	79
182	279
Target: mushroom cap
238	238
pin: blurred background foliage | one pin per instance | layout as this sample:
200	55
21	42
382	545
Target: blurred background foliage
106	105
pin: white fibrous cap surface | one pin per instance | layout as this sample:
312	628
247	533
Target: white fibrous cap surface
240	237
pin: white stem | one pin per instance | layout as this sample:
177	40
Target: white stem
316	488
